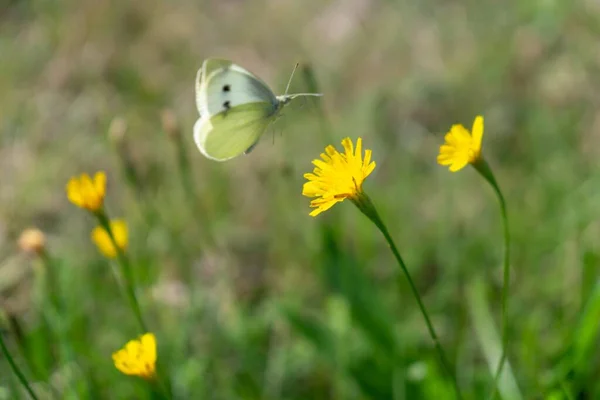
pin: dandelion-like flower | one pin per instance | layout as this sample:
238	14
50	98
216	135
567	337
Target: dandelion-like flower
88	193
102	239
138	357
338	176
462	147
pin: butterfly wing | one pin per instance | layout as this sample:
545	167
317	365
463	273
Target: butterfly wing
231	133
208	67
222	85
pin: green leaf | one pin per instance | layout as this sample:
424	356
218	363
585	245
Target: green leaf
489	338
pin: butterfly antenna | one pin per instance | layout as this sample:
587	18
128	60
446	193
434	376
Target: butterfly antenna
290	81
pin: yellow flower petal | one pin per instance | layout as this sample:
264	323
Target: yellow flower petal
348	147
461	147
460	134
337	176
138	357
444	159
477	132
149	343
100	182
358	151
73	192
102	240
458	164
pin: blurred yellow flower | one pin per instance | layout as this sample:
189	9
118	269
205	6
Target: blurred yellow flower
462	147
138	357
337	176
102	239
32	240
86	192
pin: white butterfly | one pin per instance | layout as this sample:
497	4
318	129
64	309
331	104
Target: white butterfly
235	109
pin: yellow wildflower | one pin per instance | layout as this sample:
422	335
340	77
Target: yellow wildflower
462	147
102	239
138	357
32	240
337	176
87	193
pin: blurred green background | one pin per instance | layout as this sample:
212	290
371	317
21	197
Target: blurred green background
250	298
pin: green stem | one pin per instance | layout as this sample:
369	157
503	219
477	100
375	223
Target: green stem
16	369
52	308
198	208
364	203
484	169
123	262
126	271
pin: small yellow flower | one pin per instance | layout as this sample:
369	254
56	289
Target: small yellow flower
32	240
86	192
461	147
102	239
138	357
337	176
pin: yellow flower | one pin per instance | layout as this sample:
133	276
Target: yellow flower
337	176
32	240
462	147
87	193
138	357
102	239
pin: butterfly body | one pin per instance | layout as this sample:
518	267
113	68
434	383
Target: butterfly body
235	107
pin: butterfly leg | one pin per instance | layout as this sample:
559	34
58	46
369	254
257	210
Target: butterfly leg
249	149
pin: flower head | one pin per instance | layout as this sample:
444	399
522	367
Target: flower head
86	192
103	241
32	240
337	176
138	357
462	147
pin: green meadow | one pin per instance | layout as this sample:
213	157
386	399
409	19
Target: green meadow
247	295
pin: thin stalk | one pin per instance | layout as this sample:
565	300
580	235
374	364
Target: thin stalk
126	271
365	204
197	207
16	369
123	262
52	313
484	169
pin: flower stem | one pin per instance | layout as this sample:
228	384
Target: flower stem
126	272
484	169
51	307
16	369
364	203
